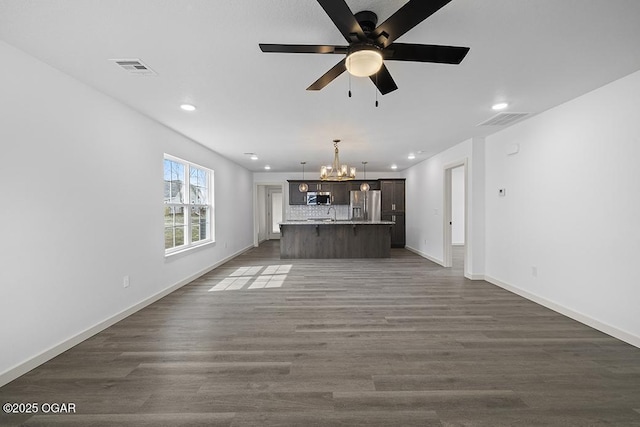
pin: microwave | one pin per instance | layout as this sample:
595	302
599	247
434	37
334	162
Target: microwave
320	198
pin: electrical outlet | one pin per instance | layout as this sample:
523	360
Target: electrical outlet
125	282
534	271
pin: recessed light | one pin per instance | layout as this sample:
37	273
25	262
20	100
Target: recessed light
254	157
394	167
499	106
188	107
411	156
267	167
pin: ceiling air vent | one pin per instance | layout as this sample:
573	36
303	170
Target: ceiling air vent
504	119
135	66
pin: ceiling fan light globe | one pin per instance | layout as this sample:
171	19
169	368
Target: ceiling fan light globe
364	63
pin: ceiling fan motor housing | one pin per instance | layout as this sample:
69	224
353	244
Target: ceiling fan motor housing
367	20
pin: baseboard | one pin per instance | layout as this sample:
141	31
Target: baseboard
474	276
24	367
622	335
424	255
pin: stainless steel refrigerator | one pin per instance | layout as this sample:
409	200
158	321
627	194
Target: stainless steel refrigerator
364	205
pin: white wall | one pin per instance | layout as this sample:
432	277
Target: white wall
425	205
572	208
82	190
457	206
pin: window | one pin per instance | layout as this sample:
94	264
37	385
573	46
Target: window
187	204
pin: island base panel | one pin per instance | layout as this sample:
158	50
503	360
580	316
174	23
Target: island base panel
335	241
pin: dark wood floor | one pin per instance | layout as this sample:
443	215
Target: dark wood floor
392	342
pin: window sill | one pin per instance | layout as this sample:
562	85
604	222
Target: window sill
185	251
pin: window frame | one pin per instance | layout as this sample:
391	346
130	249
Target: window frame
187	206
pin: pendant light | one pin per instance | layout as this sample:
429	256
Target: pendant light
303	188
365	185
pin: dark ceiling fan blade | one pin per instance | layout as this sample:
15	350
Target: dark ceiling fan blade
425	53
383	80
302	48
407	17
343	18
329	76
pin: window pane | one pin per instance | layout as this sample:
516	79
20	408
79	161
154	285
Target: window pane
173	237
168	238
173	226
198	195
198	186
179	236
173	215
199	223
173	182
195	233
168	216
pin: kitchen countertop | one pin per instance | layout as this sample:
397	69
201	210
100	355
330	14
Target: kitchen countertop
320	221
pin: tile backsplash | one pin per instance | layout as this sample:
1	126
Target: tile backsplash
301	212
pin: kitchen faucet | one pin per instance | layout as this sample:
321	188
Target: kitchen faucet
334	212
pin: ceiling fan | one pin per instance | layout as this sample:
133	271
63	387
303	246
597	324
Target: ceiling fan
370	46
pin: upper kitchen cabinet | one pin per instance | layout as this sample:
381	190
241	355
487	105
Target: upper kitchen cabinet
296	197
392	195
339	193
355	185
338	190
319	186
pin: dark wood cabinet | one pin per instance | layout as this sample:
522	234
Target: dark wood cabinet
296	197
398	230
392	196
392	192
355	185
319	185
338	190
339	193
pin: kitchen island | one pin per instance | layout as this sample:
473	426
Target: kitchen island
335	239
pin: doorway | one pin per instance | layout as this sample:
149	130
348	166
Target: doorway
274	212
455	215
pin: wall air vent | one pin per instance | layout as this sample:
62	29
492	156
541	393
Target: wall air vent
135	66
504	119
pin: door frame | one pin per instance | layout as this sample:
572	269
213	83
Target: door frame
259	209
447	256
269	191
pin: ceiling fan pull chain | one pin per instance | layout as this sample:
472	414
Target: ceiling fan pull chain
349	85
376	89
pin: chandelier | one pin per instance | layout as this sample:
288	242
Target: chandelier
337	172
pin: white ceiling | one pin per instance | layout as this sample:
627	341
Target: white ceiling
534	54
